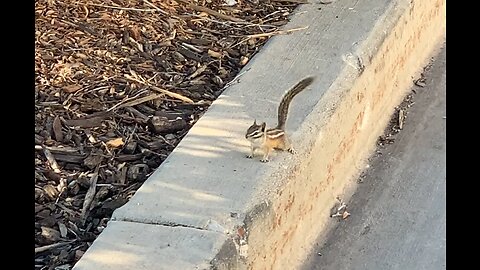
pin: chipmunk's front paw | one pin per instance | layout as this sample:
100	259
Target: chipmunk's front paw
249	156
292	151
264	160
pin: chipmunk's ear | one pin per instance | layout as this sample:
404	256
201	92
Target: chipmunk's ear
264	125
255	122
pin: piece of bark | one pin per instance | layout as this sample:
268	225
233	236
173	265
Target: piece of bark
130	147
137	172
63	229
93	120
51	235
163	125
39	139
62	150
93	160
125	158
154	145
71	158
137	113
122	175
51	175
57	129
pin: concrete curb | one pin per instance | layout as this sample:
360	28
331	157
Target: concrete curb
207	206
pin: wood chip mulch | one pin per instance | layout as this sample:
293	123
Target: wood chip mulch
118	83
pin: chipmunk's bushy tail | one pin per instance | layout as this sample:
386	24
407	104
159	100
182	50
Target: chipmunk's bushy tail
287	98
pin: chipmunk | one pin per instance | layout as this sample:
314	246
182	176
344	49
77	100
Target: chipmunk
275	138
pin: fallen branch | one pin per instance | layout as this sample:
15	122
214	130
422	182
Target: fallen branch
155	7
269	34
134	102
279	32
166	92
123	8
172	95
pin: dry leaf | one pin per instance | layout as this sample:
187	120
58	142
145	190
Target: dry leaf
135	32
115	143
241	232
72	88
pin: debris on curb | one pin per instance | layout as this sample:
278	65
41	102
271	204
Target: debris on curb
340	210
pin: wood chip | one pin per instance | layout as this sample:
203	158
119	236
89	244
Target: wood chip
50	234
63	229
93	160
51	160
214	54
57	129
89	122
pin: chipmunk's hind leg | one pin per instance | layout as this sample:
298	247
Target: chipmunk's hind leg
287	145
266	153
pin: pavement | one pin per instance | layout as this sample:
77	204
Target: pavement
398	212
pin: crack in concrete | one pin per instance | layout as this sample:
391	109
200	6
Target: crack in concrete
166	224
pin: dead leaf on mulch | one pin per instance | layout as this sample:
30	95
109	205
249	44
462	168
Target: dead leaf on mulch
115	143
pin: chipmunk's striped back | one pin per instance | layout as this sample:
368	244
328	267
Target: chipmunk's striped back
275	133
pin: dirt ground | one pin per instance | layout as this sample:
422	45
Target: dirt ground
118	83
